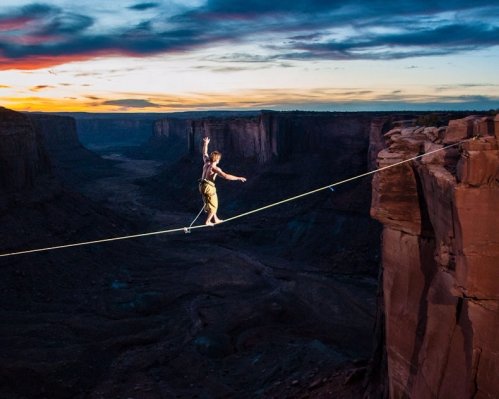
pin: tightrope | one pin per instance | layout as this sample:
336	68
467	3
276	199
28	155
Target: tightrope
188	229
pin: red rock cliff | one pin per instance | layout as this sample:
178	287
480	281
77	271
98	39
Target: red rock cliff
441	260
22	157
271	135
60	138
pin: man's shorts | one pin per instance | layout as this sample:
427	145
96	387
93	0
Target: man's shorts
209	192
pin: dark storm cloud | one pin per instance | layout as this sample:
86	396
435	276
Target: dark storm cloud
67	23
131	103
36	10
23	15
373	7
143	6
302	29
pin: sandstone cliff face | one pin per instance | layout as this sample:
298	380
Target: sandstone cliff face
441	260
169	128
60	137
58	133
71	161
22	157
270	135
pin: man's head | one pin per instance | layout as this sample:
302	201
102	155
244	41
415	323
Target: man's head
215	156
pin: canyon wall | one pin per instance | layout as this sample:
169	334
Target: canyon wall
103	132
60	138
283	154
270	135
440	262
22	157
71	162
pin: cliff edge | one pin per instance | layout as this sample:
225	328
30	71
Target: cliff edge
440	259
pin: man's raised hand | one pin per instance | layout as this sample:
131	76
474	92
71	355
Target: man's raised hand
206	140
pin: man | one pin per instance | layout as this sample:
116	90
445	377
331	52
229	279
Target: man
207	183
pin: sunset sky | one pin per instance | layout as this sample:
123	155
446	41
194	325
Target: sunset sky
161	56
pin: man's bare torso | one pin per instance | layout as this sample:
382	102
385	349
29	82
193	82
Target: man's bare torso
209	171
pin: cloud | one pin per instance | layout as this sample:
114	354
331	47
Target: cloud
460	86
40	87
325	98
143	6
131	103
371	7
66	23
42	35
224	69
22	16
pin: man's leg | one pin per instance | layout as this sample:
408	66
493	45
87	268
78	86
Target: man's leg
211	201
208	219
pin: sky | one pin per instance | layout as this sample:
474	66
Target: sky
163	56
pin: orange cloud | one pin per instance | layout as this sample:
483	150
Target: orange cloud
47	61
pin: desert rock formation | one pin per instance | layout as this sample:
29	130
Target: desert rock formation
22	157
270	135
441	259
68	156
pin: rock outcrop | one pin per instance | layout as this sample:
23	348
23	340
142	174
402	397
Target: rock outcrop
440	256
22	157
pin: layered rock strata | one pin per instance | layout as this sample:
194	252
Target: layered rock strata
441	259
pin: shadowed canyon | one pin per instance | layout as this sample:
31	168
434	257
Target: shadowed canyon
387	286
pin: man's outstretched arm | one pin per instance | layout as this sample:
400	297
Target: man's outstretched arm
227	176
206	141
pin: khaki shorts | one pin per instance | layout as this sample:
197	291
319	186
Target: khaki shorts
209	193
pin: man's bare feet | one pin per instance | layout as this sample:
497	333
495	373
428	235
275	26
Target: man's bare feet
209	224
218	221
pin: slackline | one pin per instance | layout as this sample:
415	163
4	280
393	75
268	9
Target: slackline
202	226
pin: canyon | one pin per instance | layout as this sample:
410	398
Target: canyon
234	311
291	302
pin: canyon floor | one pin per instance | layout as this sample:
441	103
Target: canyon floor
232	311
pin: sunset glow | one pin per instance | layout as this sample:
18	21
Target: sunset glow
166	56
